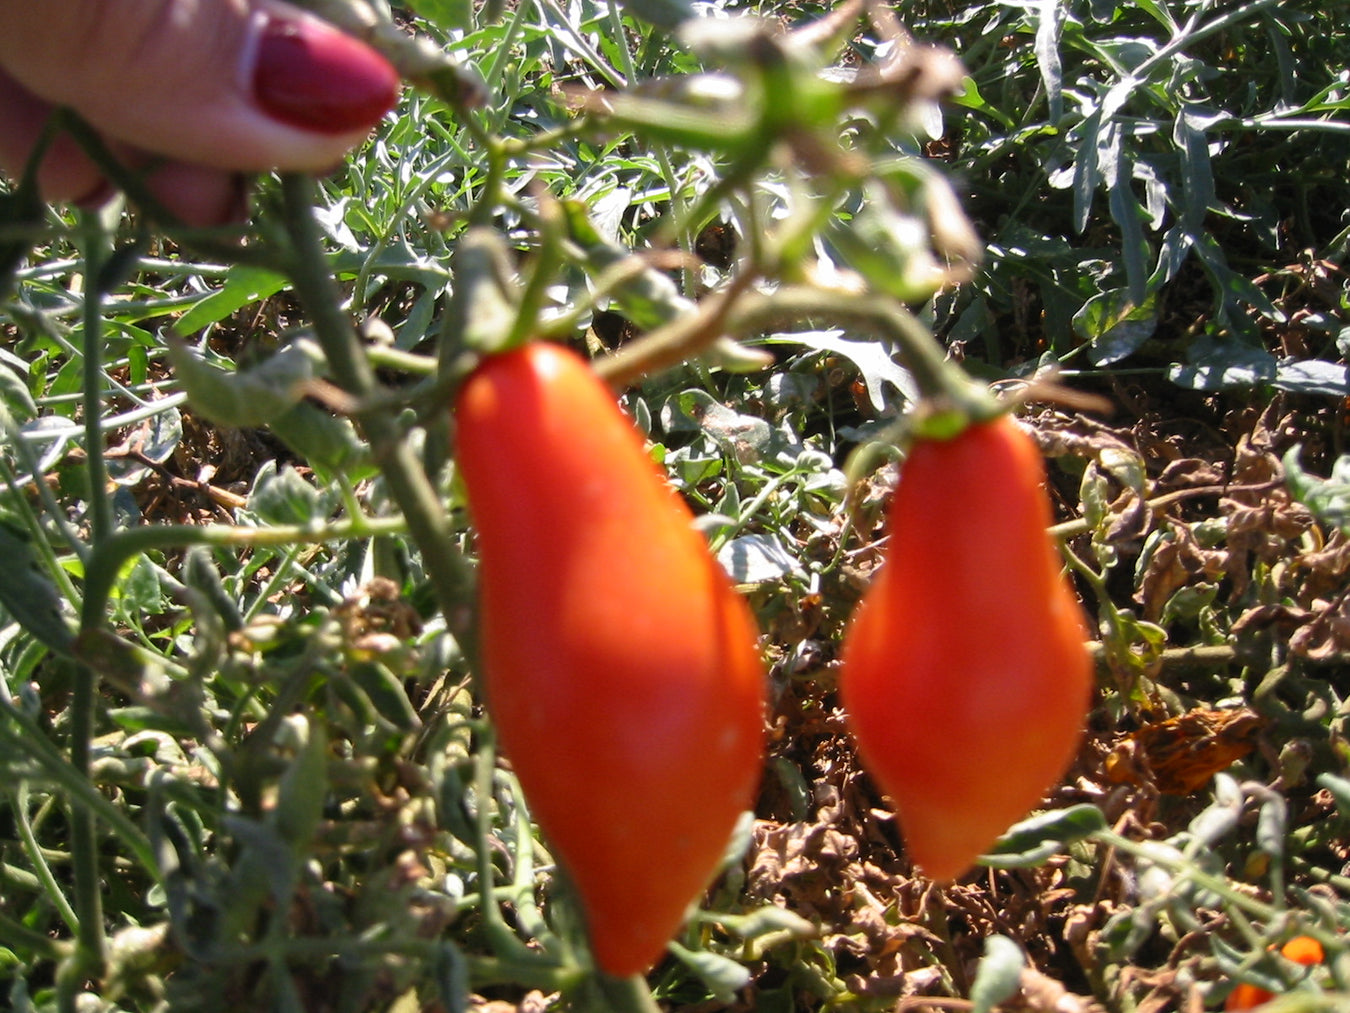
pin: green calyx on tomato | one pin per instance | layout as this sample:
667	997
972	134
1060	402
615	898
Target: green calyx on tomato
620	667
966	674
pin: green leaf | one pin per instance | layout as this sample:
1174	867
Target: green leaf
1312	376
250	397
1126	211
446	14
244	284
771	918
647	297
873	359
1222	366
758	559
283	497
1036	838
451	972
723	976
29	595
999	975
16	401
662	13
155	441
1115	324
1197	176
1049	22
1086	174
139	592
301	792
327	442
1328	499
1272	824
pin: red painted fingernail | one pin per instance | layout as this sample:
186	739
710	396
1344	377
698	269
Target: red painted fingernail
314	77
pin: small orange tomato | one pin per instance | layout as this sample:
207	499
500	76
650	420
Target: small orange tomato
1301	950
965	671
621	668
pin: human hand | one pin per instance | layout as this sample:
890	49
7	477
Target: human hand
192	93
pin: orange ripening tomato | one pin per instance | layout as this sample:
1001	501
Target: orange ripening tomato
620	666
966	674
1301	950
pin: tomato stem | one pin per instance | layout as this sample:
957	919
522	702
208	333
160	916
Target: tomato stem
625	995
427	522
952	400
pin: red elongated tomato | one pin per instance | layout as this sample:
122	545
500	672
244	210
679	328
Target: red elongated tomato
620	666
966	675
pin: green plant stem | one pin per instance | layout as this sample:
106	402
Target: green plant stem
504	942
676	341
1189	38
90	957
627	995
100	509
528	915
1179	865
108	558
44	873
18	731
398	463
738	311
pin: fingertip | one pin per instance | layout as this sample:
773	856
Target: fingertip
309	75
237	86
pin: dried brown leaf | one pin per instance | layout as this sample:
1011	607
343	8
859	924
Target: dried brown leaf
1176	563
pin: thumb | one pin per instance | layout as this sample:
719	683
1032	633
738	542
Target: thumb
226	84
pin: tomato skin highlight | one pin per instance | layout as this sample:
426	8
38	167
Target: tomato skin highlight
1301	950
965	671
620	666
